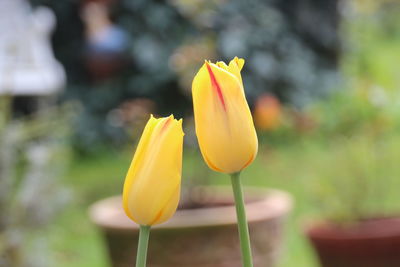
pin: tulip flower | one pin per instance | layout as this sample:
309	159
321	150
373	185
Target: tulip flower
224	125
225	131
152	185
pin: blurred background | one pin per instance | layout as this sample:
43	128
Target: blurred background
79	78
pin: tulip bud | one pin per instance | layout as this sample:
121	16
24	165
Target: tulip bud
224	126
152	186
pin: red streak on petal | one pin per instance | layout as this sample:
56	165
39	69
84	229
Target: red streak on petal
216	86
165	126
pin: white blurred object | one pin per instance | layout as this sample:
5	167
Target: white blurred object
27	63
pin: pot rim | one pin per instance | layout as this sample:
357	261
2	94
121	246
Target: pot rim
327	230
267	204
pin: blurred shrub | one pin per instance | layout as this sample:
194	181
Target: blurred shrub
356	178
154	30
372	43
291	48
33	155
370	110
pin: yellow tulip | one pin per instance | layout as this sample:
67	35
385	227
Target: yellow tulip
224	126
152	186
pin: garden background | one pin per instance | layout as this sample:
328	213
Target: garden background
321	78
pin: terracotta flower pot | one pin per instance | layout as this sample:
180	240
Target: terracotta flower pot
369	243
205	237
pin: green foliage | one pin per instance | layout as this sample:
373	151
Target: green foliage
286	54
356	177
154	29
33	156
291	48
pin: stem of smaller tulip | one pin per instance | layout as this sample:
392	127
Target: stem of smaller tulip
141	256
242	220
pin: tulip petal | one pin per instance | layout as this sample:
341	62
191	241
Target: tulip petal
151	195
226	134
169	207
235	66
222	65
139	156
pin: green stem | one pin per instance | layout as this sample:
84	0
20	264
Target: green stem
143	243
242	221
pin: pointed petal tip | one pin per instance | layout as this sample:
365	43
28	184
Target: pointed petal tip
176	121
179	122
239	62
